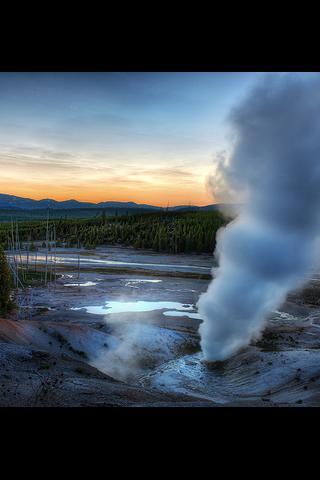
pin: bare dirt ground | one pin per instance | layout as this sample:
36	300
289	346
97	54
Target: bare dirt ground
125	333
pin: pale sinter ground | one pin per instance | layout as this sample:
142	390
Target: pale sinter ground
125	334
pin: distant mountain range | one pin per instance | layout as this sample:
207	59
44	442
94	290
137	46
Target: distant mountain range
11	202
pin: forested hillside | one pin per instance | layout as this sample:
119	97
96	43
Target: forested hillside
162	232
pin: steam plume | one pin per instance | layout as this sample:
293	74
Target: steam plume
265	252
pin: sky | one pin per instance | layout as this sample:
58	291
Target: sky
143	137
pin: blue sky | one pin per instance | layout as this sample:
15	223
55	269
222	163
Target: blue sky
145	137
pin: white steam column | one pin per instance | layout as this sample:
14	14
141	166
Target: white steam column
271	245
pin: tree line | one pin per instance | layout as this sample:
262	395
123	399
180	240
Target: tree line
184	232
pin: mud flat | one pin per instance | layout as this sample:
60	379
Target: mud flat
124	332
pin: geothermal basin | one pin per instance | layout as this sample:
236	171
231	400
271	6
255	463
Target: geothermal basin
130	318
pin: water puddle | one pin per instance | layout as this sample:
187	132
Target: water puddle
138	306
135	282
86	284
67	259
175	313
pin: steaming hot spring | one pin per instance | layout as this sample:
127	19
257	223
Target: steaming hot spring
144	328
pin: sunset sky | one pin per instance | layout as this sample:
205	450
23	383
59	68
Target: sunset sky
143	137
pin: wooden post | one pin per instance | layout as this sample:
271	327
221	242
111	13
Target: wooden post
55	255
46	269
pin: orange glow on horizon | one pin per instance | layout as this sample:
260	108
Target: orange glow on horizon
157	196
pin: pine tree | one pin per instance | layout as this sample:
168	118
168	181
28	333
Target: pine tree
33	248
6	284
103	217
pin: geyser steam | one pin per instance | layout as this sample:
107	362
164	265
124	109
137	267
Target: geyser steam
265	252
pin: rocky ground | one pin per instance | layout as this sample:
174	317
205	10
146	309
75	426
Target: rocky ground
31	377
75	344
